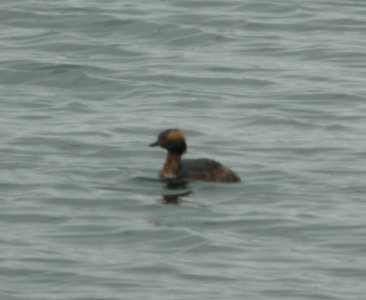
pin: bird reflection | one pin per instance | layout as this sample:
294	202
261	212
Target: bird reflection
176	198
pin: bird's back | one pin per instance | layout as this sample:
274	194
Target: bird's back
207	170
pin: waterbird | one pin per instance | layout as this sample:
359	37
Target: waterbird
173	140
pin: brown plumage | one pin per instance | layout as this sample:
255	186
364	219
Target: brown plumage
173	141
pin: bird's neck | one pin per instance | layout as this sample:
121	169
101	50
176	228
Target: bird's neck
171	165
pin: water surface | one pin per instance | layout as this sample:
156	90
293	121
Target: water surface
275	90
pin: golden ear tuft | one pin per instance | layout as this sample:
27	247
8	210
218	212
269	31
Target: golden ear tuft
175	135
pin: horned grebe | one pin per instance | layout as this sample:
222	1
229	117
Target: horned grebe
204	169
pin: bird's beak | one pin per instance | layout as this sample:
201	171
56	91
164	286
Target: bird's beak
154	144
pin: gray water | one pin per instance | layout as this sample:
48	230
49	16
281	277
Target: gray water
273	89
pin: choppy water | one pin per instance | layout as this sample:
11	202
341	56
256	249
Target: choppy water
274	89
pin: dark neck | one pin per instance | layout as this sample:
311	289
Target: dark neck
171	165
